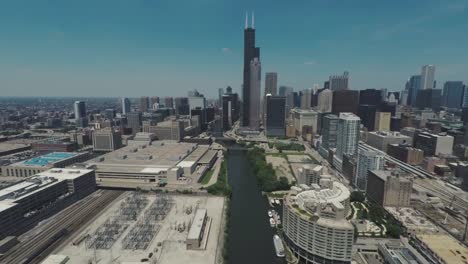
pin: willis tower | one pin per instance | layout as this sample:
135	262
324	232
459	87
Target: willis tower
250	52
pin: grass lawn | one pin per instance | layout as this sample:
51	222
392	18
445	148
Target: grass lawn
206	178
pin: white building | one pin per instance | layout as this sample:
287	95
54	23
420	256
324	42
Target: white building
348	134
367	160
324	101
309	176
315	225
302	117
427	77
255	84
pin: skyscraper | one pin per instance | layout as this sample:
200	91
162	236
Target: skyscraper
271	83
345	101
275	123
370	97
144	104
182	106
324	101
169	102
348	134
329	134
428	77
134	121
154	100
339	82
255	83
80	114
412	86
306	99
287	92
367	160
125	106
367	114
453	94
250	52
230	109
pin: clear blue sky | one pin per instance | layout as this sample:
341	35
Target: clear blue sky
166	47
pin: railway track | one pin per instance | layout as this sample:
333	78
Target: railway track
32	250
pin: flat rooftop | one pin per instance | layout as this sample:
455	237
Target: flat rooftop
46	160
5	146
446	247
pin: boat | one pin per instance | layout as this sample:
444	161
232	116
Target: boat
272	222
277	202
272	202
279	248
270	213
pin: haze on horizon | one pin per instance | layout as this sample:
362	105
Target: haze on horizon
167	47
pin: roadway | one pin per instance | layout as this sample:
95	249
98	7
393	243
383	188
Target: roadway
37	247
429	183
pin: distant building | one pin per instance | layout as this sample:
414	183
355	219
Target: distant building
231	110
125	105
433	144
325	101
348	134
413	85
166	130
275	122
303	118
254	98
81	118
134	121
380	140
169	102
181	106
367	114
154	102
51	145
367	161
388	188
329	134
345	101
288	92
144	104
306	99
428	77
339	82
106	140
429	98
453	94
370	97
382	121
406	153
271	83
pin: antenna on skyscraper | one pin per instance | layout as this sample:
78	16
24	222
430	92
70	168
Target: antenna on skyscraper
246	20
253	20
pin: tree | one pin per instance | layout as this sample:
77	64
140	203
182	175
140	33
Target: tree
357	196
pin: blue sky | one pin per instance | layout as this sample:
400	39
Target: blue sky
166	47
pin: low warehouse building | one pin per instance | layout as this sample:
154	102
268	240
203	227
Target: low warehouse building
195	235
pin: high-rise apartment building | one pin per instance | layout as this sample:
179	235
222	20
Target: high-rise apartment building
348	134
367	160
453	94
428	77
339	82
254	98
125	105
329	134
325	101
250	52
271	83
382	121
81	118
275	122
144	104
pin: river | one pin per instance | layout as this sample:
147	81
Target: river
250	234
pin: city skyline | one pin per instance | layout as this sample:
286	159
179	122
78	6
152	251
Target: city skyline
56	50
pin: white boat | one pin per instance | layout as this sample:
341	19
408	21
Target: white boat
270	213
272	222
277	202
272	202
279	248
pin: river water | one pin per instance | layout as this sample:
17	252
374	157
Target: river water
250	234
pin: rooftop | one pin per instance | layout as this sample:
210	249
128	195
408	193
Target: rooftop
446	247
45	160
334	195
197	224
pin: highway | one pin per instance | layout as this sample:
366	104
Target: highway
63	224
427	181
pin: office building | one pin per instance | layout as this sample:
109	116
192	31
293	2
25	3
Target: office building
453	94
465	96
275	122
429	98
250	52
168	130
329	134
345	101
339	82
324	101
288	92
197	104
306	99
125	106
367	115
315	226
254	97
304	118
367	161
271	83
169	102
81	118
413	85
433	144
181	106
106	140
382	121
134	121
24	204
370	97
381	139
348	134
53	145
428	77
389	188
27	168
144	104
154	102
395	123
230	110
